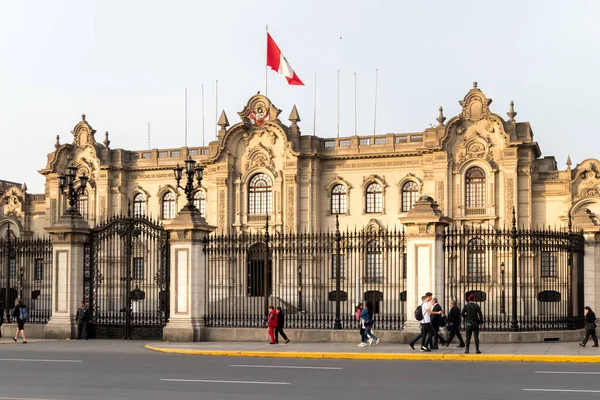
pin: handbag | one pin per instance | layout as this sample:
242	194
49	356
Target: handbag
443	321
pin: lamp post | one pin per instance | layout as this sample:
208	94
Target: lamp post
191	170
67	186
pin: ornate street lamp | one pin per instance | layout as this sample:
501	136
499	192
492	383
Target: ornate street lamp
67	186
191	170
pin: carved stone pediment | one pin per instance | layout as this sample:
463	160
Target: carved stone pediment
83	133
260	156
12	204
259	111
476	106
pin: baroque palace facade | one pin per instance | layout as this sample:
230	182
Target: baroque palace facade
477	166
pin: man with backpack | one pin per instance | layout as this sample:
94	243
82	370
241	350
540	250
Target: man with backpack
21	314
418	317
428	333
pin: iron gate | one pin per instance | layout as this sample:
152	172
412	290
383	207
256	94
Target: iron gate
126	278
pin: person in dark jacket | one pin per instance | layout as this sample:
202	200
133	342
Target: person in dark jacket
279	329
368	321
436	322
453	326
590	327
83	318
272	324
2	316
473	319
20	321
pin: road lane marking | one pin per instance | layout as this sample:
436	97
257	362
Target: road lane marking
23	398
562	390
39	360
567	372
282	367
216	381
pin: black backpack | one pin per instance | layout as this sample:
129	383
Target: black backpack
419	313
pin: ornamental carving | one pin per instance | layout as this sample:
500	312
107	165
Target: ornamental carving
290	210
475	146
83	133
221	206
589	189
509	188
53	210
475	106
12	205
591	173
260	157
440	194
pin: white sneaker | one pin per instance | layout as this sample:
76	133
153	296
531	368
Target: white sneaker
377	342
362	344
370	342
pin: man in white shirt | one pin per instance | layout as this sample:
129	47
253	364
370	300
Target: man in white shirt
426	323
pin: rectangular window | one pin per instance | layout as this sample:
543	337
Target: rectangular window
176	153
380	140
163	154
365	142
146	155
193	152
138	268
38	272
374	264
416	138
401	139
12	268
334	266
204	152
548	264
329	144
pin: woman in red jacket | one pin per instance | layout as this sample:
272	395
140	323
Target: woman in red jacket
272	323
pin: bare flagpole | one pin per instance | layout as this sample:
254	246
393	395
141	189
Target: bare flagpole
216	108
266	66
186	124
375	116
338	103
355	104
315	108
203	116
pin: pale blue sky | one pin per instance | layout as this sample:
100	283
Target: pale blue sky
126	62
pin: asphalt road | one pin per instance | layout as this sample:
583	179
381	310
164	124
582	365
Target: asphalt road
125	370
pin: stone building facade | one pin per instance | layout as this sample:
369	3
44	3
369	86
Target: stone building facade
477	165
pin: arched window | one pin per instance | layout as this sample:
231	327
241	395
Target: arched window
82	205
168	206
476	261
374	198
410	195
475	188
259	195
139	205
374	272
200	202
338	199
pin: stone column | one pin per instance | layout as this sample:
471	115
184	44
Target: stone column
188	277
425	226
68	239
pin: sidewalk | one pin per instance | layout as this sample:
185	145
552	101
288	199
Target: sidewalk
558	352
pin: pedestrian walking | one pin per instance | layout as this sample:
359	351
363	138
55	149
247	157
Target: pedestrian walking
590	326
272	324
473	319
453	325
437	321
20	314
83	318
366	316
418	317
428	332
280	324
361	330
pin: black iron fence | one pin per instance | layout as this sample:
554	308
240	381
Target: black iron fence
527	280
317	278
26	273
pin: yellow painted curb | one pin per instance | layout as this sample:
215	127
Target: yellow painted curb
386	356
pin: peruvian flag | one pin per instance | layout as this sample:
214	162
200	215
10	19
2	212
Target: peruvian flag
278	63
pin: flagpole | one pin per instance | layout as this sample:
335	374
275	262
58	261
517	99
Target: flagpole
315	108
266	66
338	103
203	143
375	116
355	104
186	124
216	109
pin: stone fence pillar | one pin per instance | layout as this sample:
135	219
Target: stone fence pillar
425	226
591	265
188	277
68	239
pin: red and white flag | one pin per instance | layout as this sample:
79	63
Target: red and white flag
278	63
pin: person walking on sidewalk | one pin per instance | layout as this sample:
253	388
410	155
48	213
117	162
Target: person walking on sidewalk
280	324
83	318
420	335
361	329
453	326
20	314
473	319
428	332
590	326
437	317
272	324
366	316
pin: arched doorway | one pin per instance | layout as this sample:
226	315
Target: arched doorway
255	282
